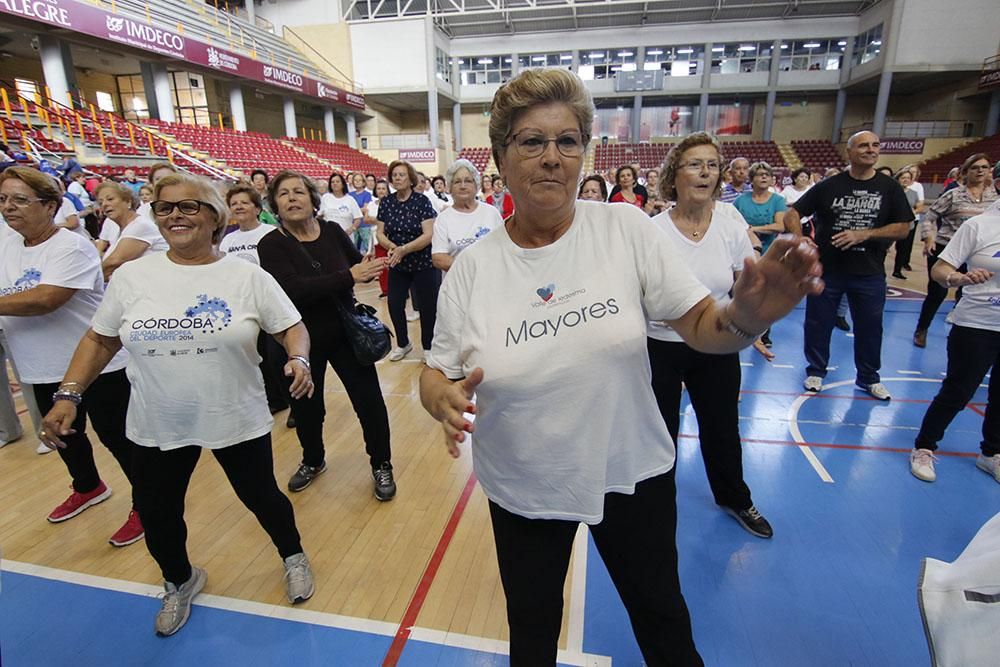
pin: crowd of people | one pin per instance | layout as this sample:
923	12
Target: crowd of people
182	314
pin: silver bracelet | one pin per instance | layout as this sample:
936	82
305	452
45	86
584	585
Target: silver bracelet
73	397
299	357
732	327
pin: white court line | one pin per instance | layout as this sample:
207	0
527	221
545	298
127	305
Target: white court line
746	363
910	372
782	366
578	591
383	628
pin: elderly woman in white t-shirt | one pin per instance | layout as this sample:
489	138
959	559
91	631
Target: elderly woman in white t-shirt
137	235
52	285
195	383
714	246
545	320
466	221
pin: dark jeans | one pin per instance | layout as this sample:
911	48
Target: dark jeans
637	543
106	403
426	283
713	385
271	370
361	383
935	293
161	482
971	353
866	299
904	248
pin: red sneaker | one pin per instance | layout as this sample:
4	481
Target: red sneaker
130	532
77	502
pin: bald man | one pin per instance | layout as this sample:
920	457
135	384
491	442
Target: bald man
857	214
739	169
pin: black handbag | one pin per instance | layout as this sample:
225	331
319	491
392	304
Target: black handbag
370	339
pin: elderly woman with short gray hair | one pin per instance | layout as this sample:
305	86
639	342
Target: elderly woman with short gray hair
544	320
466	221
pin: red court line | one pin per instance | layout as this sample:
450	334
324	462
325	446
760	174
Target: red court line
420	594
831	445
975	409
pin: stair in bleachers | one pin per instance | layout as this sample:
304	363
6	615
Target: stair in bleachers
340	157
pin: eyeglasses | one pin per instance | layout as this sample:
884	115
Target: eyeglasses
186	206
699	165
533	144
19	201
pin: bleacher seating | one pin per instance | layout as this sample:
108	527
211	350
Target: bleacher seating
817	155
342	157
478	156
754	151
937	169
648	156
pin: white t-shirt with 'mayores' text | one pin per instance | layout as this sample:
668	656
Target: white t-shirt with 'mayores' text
977	243
244	244
191	332
565	412
42	345
455	230
713	259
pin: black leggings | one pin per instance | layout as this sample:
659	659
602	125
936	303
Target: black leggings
904	248
935	292
270	369
106	403
361	383
161	482
713	385
637	542
426	284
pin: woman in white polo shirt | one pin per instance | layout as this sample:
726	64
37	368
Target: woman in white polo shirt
50	287
337	205
195	383
545	319
466	220
137	234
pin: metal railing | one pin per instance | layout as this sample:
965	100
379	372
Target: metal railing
920	129
344	80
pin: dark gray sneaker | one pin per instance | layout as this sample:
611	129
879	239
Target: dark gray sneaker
304	476
176	605
753	521
299	582
385	485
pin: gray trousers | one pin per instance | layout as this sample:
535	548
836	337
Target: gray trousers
10	423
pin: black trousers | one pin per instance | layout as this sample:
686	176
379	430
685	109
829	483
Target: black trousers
713	385
270	368
361	383
161	482
935	293
637	542
426	284
106	403
971	353
904	248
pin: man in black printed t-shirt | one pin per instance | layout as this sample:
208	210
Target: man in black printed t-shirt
857	214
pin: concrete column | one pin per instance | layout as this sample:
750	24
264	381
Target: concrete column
882	102
161	90
838	116
769	115
456	125
702	112
54	67
251	13
576	61
236	106
772	89
515	64
432	117
456	77
993	115
636	119
328	125
352	139
291	128
706	85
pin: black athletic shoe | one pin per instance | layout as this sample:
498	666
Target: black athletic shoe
907	267
899	275
385	485
290	422
304	476
752	521
766	339
842	324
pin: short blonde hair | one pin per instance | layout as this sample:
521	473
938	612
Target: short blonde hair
758	166
531	88
43	185
123	191
207	194
672	163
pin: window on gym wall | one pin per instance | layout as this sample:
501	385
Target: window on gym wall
26	89
868	45
480	70
132	97
535	60
604	63
442	65
613	118
741	57
105	102
685	60
812	54
190	101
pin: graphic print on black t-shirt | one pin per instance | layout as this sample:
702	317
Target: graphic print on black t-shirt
858	210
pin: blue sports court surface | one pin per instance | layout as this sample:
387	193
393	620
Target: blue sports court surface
836	586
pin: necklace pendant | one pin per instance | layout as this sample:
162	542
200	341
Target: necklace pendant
695	233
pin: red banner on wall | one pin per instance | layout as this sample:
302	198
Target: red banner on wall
125	30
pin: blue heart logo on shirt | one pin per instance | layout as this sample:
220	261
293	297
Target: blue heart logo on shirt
546	292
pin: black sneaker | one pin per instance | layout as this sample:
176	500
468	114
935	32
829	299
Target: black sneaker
304	476
290	422
766	339
842	324
898	275
385	486
752	521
